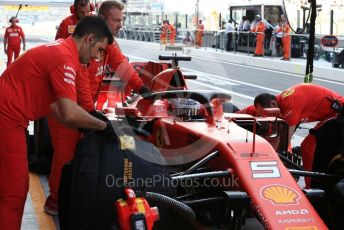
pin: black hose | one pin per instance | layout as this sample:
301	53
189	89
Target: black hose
304	26
178	206
310	52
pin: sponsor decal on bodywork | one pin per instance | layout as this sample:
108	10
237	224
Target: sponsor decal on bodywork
280	194
159	138
292	212
264	169
127	170
127	142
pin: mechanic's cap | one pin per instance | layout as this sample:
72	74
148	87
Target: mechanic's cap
258	16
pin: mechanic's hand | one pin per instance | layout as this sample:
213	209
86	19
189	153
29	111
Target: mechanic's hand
84	131
24	47
99	115
5	50
109	130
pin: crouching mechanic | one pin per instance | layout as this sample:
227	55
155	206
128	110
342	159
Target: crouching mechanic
302	103
113	59
33	87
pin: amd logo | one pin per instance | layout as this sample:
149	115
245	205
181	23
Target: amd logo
292	212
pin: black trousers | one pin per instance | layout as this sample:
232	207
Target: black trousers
229	42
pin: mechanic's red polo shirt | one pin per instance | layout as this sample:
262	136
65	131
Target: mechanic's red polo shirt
306	102
36	79
251	110
119	63
113	59
66	27
13	35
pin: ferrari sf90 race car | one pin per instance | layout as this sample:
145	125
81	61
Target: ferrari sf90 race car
176	160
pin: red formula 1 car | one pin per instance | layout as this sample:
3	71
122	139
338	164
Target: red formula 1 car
202	168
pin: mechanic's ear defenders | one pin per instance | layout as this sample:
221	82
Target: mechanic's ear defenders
72	8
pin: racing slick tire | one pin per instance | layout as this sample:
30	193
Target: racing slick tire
328	152
40	160
328	158
338	205
95	179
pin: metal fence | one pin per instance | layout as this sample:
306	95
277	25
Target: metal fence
243	42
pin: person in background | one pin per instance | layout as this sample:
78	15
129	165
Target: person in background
247	24
228	31
286	38
260	30
279	35
172	32
79	10
188	39
243	27
241	24
164	31
113	60
48	87
299	104
14	34
199	34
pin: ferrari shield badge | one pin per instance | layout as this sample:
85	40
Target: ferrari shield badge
159	139
71	29
287	93
127	142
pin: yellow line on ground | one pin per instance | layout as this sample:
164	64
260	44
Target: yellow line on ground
45	222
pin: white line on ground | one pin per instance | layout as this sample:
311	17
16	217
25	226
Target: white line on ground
269	70
224	90
236	81
252	67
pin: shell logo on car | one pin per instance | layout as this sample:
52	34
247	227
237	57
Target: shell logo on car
302	228
280	195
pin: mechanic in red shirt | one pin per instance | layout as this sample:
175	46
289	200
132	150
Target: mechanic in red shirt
64	140
13	35
79	10
251	110
302	103
48	87
113	60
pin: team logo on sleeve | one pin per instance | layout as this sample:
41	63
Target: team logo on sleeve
287	93
71	29
69	75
